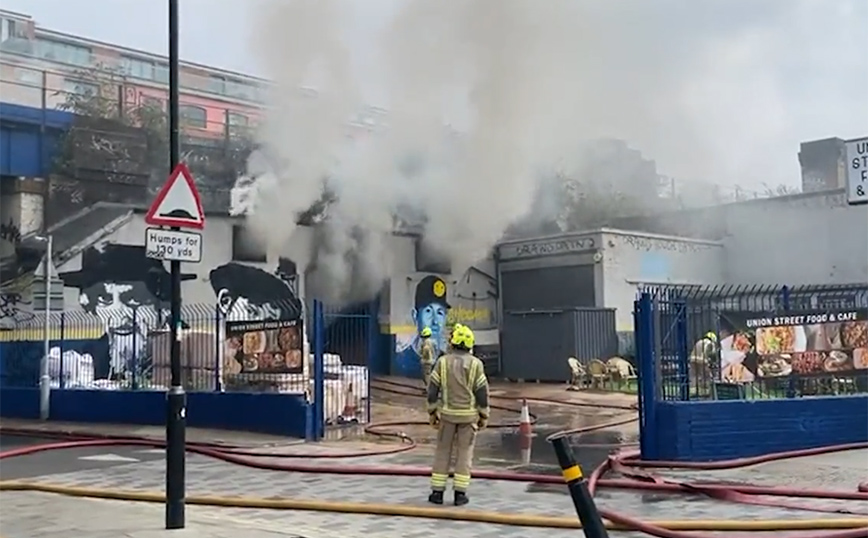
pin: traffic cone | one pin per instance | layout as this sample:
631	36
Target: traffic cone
525	434
525	444
349	413
525	427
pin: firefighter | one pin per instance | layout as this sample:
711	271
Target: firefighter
427	354
702	358
458	408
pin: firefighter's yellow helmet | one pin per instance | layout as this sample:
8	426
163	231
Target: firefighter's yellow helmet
711	335
426	332
462	337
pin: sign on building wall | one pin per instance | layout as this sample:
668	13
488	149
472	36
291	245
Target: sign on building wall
273	346
857	171
547	247
803	344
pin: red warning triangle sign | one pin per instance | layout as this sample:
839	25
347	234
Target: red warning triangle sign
178	202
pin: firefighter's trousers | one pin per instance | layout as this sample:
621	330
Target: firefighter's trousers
458	438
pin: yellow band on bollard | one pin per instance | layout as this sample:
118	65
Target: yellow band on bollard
572	473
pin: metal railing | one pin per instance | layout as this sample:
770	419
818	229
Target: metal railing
760	341
114	346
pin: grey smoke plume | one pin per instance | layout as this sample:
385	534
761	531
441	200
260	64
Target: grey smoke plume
482	93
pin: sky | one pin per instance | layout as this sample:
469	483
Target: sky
756	77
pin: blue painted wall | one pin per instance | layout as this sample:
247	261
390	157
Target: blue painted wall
274	413
29	138
720	430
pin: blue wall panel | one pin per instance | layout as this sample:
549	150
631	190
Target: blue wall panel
28	139
273	413
719	430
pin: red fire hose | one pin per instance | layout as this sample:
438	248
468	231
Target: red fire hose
624	463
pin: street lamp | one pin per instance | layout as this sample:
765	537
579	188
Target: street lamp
44	379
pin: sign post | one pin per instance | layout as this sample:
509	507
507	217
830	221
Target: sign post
857	171
177	206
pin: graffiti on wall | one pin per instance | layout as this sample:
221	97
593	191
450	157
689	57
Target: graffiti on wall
437	306
129	294
10	232
14	307
249	294
430	309
14	310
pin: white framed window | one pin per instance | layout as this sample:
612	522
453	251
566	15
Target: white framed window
68	53
194	116
237	120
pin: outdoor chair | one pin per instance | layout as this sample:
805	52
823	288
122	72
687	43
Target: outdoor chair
578	374
598	373
620	371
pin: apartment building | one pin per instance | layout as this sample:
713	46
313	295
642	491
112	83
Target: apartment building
39	68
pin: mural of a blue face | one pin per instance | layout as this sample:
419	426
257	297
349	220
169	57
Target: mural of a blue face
430	309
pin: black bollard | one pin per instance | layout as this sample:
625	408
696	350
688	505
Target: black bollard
592	521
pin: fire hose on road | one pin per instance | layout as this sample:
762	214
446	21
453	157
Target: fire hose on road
625	463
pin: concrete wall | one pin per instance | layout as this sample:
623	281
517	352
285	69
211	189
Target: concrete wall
720	430
632	258
622	261
797	243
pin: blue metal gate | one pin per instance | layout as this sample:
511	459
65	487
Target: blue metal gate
344	349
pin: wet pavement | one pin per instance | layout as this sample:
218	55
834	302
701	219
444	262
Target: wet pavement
206	476
502	449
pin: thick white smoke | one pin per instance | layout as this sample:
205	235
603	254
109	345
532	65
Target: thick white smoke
522	83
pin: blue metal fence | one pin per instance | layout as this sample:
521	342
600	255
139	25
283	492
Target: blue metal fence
128	349
748	342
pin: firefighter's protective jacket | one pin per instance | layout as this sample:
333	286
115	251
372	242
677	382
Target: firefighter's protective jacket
458	388
704	351
427	352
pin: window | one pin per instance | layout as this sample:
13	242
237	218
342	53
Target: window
245	247
237	120
194	116
28	77
133	67
161	74
216	85
63	52
249	91
12	29
77	87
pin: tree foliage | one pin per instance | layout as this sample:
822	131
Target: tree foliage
121	136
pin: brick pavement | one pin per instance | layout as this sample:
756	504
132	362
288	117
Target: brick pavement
206	476
42	515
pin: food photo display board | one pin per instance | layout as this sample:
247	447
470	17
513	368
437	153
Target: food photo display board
268	347
755	344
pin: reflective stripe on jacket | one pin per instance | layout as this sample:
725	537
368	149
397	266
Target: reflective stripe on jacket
458	388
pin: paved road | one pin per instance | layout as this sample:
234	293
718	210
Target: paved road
68	460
